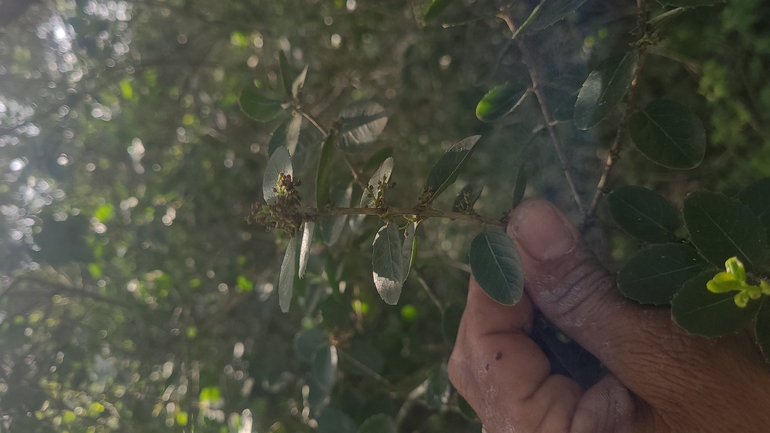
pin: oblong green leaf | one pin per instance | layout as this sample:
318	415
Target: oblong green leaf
500	101
467	197
604	89
258	106
496	265
762	328
553	11
379	424
286	135
439	389
323	175
656	273
721	227
278	164
307	341
378	182
307	242
332	226
435	8
519	186
450	321
299	83
285	72
388	263
445	172
335	421
707	314
669	134
286	278
757	197
644	214
360	125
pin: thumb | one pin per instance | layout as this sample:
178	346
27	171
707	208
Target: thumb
569	285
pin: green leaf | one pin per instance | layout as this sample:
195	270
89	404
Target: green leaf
286	135
519	186
707	314
450	321
379	424
467	197
388	263
335	421
299	83
285	72
669	134
307	243
500	101
324	373
466	409
360	125
762	328
757	197
604	89
496	265
379	180
378	158
721	227
307	341
323	176
439	389
258	106
332	226
279	163
553	11
656	273
689	3
436	8
644	214
445	172
288	272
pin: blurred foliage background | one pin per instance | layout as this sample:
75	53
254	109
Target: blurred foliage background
134	296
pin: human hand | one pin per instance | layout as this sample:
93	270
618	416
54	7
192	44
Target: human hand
661	378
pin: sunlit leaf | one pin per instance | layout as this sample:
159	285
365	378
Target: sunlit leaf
669	134
439	389
307	341
519	186
644	214
721	227
323	175
500	101
299	83
279	163
762	328
655	274
496	265
604	89
450	321
307	243
388	263
379	424
707	314
445	172
286	135
332	226
757	197
335	421
378	182
553	11
288	272
258	106
360	125
435	8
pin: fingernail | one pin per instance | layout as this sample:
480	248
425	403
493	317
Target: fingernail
541	230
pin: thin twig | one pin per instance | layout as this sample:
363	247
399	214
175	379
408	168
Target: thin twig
617	143
535	78
428	290
418	212
315	123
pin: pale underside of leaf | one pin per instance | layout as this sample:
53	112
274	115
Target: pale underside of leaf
388	263
307	243
360	125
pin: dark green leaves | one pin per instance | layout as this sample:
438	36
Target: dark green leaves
391	260
467	197
762	328
670	134
496	265
285	71
323	175
258	106
360	124
604	89
445	172
644	214
379	424
286	135
519	186
439	389
655	274
553	11
435	8
288	272
721	227
707	314
757	197
278	164
335	421
500	101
